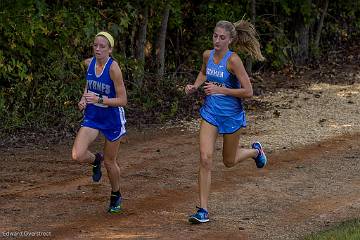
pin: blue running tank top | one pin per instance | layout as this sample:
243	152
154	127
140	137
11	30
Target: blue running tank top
220	104
100	116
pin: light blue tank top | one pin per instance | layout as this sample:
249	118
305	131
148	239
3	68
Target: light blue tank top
100	116
220	104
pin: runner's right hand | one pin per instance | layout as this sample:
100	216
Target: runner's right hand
190	88
82	103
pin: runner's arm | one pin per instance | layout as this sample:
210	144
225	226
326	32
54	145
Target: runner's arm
117	78
82	102
201	77
237	68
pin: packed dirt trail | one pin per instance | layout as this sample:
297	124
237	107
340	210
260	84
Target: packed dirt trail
311	135
300	191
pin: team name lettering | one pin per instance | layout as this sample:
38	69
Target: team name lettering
215	73
102	87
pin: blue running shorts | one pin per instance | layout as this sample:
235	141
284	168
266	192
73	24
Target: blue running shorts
225	124
113	135
110	134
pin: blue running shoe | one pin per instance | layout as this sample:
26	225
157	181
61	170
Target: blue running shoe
201	216
115	204
260	159
97	167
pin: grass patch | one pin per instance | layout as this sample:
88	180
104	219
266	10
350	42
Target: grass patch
349	230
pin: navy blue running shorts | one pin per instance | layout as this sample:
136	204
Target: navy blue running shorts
110	134
113	135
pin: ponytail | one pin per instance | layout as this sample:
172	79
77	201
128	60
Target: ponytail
246	39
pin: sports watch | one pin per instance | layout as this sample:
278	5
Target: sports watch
101	100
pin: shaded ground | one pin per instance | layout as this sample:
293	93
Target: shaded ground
311	132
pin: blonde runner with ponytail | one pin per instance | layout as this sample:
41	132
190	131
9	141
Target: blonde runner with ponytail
226	84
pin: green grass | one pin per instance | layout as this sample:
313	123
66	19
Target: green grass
349	230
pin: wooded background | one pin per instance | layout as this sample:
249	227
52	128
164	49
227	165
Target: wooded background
158	44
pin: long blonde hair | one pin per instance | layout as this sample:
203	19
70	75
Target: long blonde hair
244	37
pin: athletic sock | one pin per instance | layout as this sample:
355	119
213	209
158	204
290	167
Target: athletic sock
116	194
97	159
114	197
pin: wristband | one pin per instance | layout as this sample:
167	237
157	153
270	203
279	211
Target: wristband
100	100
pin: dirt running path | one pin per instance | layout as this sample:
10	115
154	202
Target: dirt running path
300	191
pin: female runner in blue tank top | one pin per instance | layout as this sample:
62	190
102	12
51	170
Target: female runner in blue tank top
102	102
226	83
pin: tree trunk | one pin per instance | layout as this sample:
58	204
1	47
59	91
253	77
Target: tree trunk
177	48
320	26
160	51
132	41
140	50
302	36
253	16
140	45
303	43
